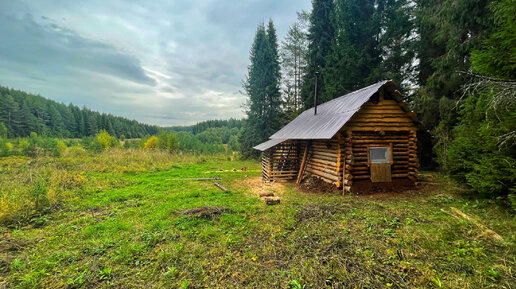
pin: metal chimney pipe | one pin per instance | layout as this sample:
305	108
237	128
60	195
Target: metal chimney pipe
315	92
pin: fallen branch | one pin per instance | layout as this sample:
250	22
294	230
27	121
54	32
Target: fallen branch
486	231
194	179
220	186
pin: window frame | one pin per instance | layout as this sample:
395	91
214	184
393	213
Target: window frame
389	154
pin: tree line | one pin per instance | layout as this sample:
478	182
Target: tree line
453	60
22	113
207	124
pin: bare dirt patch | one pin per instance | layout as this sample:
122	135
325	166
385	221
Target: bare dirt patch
261	189
318	186
317	212
205	212
394	188
9	250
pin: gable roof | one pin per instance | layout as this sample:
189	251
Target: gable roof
330	117
268	144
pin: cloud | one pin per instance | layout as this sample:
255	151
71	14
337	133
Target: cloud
160	62
59	51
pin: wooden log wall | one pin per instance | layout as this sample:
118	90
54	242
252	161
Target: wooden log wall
403	148
281	162
325	161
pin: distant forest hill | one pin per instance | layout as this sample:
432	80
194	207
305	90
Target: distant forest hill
207	124
23	113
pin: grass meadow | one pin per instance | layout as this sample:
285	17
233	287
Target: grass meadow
126	219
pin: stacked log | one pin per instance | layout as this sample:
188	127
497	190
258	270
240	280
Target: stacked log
324	161
281	162
266	165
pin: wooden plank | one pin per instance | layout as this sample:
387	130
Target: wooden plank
302	166
380	173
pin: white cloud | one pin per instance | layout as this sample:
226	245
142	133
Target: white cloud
160	62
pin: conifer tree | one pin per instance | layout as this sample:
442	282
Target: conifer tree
320	36
263	106
293	59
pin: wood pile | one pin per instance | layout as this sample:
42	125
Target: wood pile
323	161
281	162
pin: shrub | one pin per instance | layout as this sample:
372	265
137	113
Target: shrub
106	140
475	156
151	143
91	144
132	144
61	147
24	147
38	192
233	143
76	150
168	141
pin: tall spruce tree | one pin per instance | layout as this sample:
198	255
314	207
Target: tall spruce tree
449	30
273	82
354	53
263	106
320	36
396	42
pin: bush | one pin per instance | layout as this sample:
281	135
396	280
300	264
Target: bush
76	150
106	140
91	144
38	192
24	147
233	143
475	156
151	143
132	144
168	141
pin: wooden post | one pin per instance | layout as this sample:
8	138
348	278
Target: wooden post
271	161
348	161
303	162
339	160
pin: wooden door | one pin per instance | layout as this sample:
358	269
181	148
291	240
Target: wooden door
380	173
380	164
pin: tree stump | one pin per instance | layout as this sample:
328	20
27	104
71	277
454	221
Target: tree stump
266	194
272	200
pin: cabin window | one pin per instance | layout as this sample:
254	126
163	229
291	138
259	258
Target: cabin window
379	155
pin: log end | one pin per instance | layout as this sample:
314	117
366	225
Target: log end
266	194
272	200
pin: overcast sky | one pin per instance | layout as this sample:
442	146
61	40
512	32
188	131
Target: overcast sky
159	62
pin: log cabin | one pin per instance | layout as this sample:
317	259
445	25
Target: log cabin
366	136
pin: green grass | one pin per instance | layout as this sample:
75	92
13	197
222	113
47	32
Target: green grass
119	219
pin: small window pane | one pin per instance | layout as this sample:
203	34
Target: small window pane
379	155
